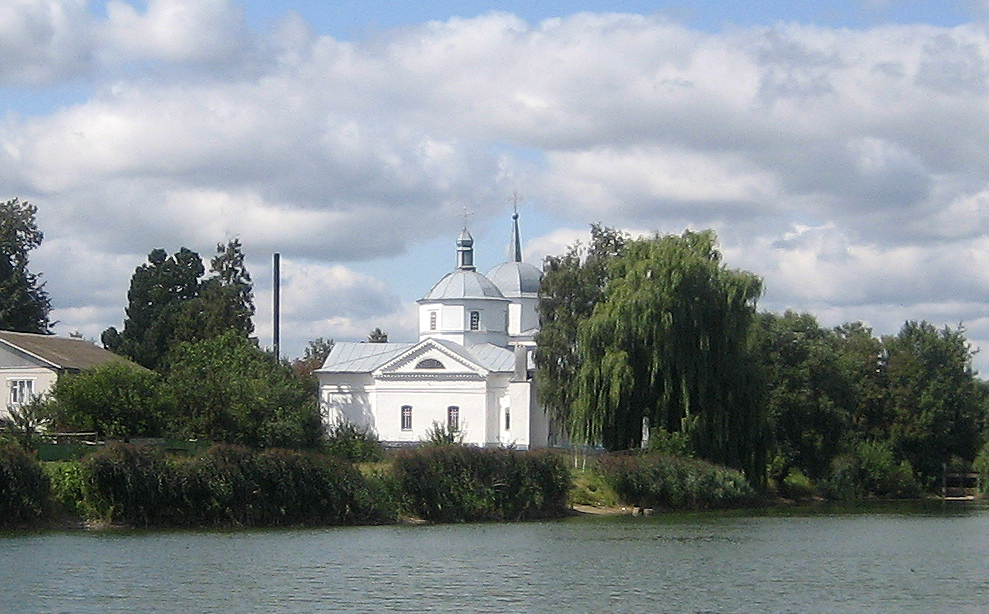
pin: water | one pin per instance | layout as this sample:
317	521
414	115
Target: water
899	561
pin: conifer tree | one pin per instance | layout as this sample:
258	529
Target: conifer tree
24	303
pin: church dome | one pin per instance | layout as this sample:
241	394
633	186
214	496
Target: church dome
516	279
463	283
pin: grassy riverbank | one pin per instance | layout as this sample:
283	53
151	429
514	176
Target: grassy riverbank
228	486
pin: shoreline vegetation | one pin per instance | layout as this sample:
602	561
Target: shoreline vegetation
224	486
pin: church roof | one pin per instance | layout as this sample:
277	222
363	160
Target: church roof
463	283
353	357
516	279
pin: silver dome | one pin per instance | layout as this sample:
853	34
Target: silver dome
516	279
463	283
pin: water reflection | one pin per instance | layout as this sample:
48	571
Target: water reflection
917	559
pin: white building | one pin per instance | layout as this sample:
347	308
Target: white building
30	364
471	370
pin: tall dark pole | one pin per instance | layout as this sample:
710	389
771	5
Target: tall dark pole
276	291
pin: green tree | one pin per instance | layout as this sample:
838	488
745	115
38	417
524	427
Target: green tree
810	394
168	303
24	303
865	359
226	389
938	407
669	342
377	336
572	285
158	291
312	358
116	400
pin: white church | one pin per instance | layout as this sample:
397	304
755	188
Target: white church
471	370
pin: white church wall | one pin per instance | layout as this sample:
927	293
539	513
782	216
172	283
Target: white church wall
520	394
430	401
347	397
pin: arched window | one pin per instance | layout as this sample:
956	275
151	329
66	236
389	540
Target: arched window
429	363
475	320
432	320
453	418
406	417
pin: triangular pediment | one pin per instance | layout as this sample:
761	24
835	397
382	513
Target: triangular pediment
15	357
432	358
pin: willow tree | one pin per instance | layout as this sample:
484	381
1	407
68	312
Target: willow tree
572	285
669	342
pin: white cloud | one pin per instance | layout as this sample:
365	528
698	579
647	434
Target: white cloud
200	31
43	41
848	167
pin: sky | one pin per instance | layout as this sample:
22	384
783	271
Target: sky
837	148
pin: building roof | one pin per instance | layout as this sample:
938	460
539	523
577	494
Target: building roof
361	357
516	279
461	284
60	352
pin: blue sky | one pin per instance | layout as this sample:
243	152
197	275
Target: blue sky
836	147
352	19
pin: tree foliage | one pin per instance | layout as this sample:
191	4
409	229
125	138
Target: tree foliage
24	303
116	400
312	358
226	389
168	303
572	285
810	398
662	332
938	408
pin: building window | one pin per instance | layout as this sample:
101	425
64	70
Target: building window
475	320
432	320
508	419
406	417
429	363
21	391
453	418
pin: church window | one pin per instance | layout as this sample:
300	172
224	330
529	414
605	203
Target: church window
432	320
508	419
21	391
475	320
429	363
406	417
453	418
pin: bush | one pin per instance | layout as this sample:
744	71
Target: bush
130	484
440	435
117	400
871	471
226	486
656	480
352	443
662	441
24	487
796	485
462	483
981	465
68	487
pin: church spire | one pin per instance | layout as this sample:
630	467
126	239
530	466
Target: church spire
465	251
465	247
515	251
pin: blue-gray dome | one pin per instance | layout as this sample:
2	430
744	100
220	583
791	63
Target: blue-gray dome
463	283
516	279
